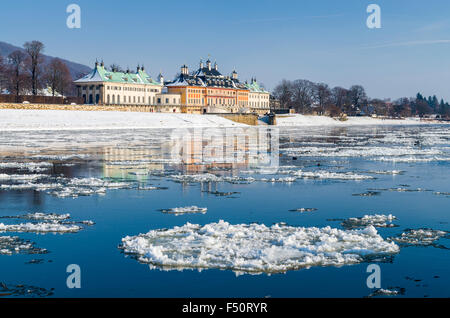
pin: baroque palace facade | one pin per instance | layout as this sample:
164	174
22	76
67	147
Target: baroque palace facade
205	90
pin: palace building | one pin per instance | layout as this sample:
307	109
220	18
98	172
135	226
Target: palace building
204	90
104	87
258	98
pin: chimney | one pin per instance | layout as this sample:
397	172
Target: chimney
208	64
184	70
161	79
201	64
216	67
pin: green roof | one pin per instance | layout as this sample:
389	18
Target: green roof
100	74
255	87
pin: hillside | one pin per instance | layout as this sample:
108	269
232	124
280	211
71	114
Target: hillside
76	69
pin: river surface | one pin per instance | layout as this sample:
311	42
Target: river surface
248	212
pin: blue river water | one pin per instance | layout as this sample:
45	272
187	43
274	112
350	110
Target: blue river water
404	171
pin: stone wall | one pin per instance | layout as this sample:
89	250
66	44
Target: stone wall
248	119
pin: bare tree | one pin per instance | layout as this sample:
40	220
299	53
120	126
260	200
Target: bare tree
115	68
2	74
322	97
15	72
58	77
339	96
34	50
358	97
283	93
303	95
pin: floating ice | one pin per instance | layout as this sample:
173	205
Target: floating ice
255	248
376	220
40	216
30	166
420	237
209	177
392	291
442	193
21	177
15	245
185	210
409	159
284	179
388	172
61	186
41	227
304	210
322	174
24	290
367	194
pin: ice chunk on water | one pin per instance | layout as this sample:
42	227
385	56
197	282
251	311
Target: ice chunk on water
30	166
184	210
376	220
209	177
24	290
42	216
15	245
41	227
322	174
302	210
255	248
21	177
421	237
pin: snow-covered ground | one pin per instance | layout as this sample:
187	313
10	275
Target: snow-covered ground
20	119
304	120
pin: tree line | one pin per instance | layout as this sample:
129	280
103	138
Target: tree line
25	73
307	97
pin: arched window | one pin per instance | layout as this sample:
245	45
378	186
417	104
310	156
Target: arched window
118	99
108	99
114	99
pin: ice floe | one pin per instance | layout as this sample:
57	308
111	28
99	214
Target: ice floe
53	223
41	227
16	245
185	210
29	166
391	291
376	220
322	174
302	210
421	237
20	290
209	177
40	216
61	186
367	194
255	248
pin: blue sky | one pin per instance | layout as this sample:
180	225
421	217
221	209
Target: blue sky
323	40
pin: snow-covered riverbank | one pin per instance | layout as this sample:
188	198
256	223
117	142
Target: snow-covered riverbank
304	120
22	120
18	119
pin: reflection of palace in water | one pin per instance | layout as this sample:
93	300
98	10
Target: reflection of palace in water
192	153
